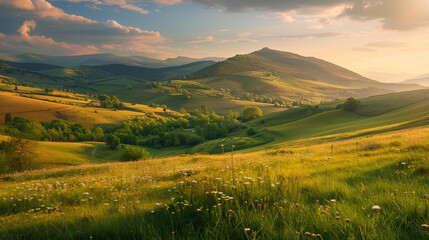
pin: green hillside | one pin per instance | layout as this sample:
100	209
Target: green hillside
378	113
287	66
100	59
324	122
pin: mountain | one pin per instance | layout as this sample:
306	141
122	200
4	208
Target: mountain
422	80
101	59
31	66
81	77
294	71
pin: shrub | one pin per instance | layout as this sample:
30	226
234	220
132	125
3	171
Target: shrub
250	113
113	141
251	132
351	105
133	153
20	152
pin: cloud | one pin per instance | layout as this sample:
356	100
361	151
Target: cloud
254	36
394	14
124	4
70	34
270	5
39	8
385	44
201	40
378	45
43	44
92	6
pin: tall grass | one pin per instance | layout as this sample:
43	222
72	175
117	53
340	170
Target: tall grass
324	191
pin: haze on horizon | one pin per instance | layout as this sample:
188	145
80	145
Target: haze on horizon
383	39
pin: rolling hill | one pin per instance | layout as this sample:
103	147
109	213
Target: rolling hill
81	76
327	123
293	73
266	78
422	80
101	59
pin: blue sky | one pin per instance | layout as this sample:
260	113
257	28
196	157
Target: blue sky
368	36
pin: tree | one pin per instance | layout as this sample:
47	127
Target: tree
7	118
250	113
16	88
232	115
351	105
49	90
21	153
134	154
113	141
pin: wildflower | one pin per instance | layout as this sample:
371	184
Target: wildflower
338	217
246	229
425	226
348	220
376	207
333	200
152	212
426	195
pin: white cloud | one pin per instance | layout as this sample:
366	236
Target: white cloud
394	14
26	41
71	32
201	40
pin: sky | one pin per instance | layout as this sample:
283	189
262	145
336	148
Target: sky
384	39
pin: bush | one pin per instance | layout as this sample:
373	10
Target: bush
132	153
351	105
251	132
20	152
250	113
113	141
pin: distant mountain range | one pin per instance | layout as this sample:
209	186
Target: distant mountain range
102	59
422	80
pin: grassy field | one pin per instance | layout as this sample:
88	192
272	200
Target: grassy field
47	108
361	188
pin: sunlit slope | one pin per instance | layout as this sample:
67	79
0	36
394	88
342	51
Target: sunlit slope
72	108
380	111
293	69
284	193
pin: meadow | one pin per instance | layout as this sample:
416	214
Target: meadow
373	187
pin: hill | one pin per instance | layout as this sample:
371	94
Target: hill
292	70
325	122
421	80
33	103
101	59
362	188
31	66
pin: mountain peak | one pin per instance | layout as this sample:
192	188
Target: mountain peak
265	49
